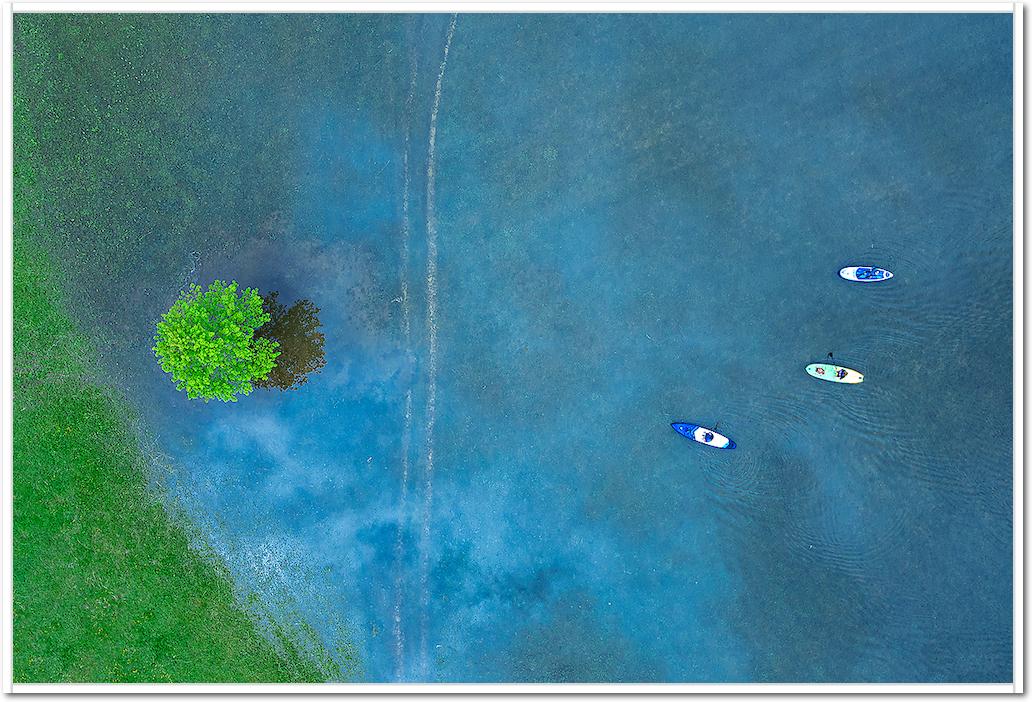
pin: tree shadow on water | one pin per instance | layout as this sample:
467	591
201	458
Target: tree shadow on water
296	329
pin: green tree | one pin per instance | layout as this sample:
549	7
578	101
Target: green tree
207	342
296	333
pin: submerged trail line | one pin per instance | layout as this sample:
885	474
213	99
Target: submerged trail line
406	436
431	326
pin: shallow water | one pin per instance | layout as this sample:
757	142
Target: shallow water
623	221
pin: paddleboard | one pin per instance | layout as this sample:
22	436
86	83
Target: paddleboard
865	274
703	435
835	374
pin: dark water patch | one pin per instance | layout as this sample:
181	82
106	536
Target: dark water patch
540	651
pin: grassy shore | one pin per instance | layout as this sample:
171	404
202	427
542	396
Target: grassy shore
108	585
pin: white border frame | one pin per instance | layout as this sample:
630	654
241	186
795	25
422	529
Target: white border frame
1018	320
6	348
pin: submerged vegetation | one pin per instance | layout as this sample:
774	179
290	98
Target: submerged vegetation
207	342
109	584
107	587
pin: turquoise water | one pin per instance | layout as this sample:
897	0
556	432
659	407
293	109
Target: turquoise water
619	222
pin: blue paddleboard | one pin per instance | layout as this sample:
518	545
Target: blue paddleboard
703	435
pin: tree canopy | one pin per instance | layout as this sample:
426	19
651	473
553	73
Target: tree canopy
295	333
207	342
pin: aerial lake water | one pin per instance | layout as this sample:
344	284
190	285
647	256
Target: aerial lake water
536	241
